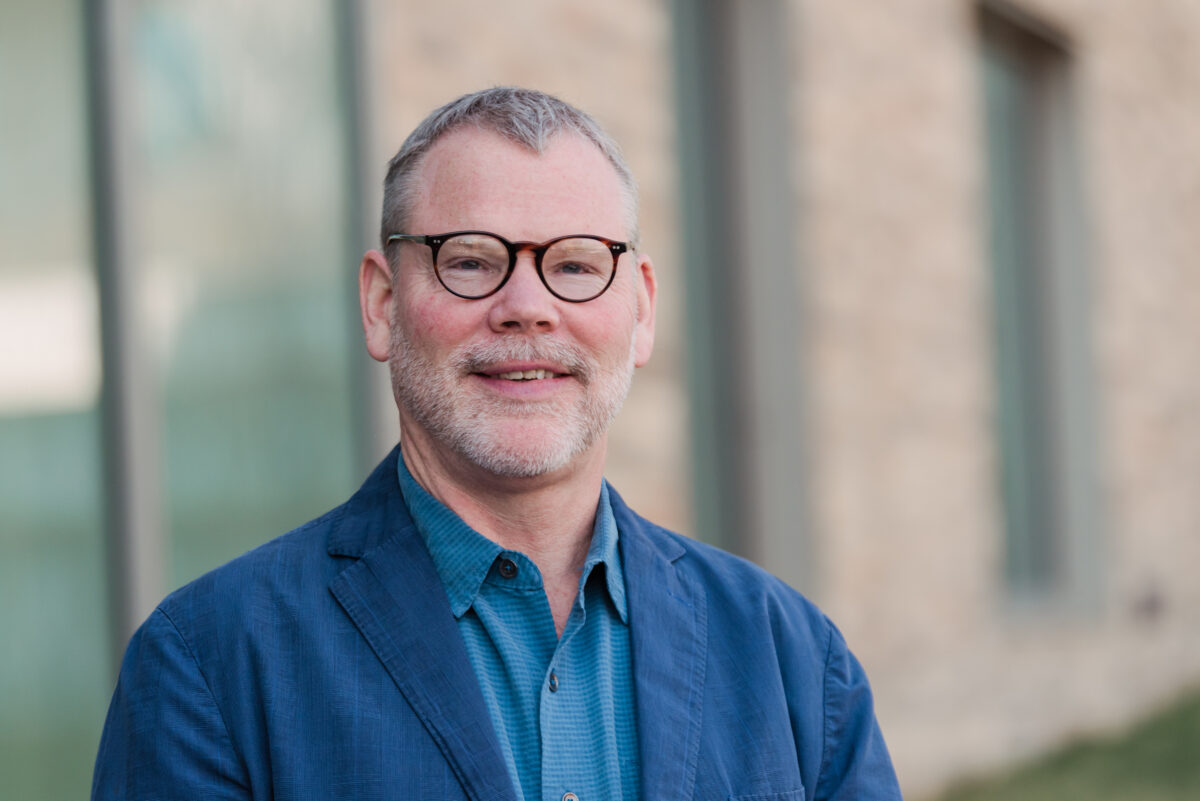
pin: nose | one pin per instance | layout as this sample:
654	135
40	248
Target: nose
524	304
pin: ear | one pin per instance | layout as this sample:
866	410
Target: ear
647	293
375	297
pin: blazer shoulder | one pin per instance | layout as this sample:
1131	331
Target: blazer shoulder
737	589
290	565
282	586
294	560
734	581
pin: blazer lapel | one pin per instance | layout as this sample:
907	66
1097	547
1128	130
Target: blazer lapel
669	630
393	595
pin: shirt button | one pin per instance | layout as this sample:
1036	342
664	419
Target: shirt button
554	689
570	797
508	568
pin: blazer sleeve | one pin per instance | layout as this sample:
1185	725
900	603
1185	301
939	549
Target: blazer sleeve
164	737
855	762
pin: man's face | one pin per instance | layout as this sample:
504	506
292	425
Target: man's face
519	383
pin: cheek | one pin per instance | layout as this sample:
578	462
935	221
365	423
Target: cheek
612	328
434	328
609	342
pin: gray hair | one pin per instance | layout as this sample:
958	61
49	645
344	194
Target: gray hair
524	116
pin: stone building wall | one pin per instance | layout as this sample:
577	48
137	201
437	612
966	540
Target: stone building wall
892	178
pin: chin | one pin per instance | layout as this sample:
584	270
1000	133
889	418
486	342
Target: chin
521	453
514	465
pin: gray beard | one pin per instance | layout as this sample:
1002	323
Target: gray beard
436	399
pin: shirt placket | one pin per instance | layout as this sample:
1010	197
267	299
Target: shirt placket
562	702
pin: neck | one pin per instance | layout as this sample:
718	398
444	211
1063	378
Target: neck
549	518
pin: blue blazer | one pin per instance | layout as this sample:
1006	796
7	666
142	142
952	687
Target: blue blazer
326	664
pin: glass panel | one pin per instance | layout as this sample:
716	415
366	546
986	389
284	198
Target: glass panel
240	208
54	673
1016	150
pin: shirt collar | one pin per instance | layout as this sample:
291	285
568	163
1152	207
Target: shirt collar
462	556
604	551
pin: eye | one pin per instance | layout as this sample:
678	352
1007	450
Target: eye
466	265
575	268
469	264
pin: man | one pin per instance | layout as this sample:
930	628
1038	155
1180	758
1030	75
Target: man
485	618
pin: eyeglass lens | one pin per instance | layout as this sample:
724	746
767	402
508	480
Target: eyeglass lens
473	265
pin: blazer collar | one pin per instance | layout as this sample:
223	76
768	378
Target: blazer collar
372	515
669	630
394	597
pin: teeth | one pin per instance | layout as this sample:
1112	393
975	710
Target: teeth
525	375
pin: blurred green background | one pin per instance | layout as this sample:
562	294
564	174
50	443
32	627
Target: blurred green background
1157	760
240	256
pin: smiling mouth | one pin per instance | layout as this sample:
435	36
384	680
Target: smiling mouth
527	375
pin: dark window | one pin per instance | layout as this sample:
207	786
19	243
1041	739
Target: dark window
1038	310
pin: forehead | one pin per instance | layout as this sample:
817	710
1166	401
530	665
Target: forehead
476	179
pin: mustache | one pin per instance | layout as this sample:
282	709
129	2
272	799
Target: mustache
478	358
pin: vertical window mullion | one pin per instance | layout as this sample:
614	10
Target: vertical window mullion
133	516
733	86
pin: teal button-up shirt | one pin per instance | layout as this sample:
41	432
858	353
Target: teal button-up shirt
563	709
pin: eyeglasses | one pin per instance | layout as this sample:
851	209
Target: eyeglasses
474	264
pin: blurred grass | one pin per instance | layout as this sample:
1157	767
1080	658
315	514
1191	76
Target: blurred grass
1158	760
